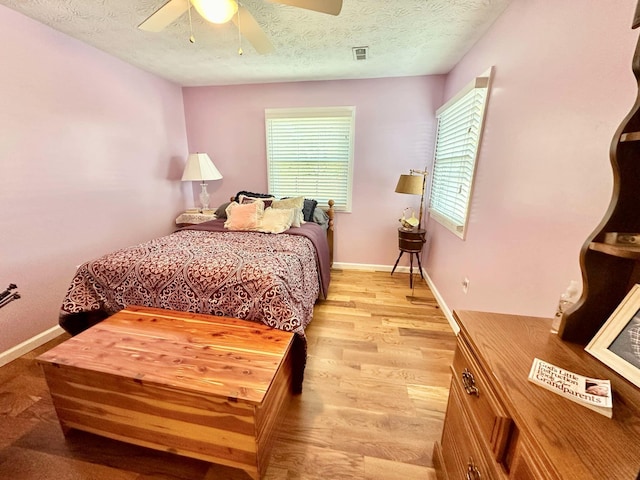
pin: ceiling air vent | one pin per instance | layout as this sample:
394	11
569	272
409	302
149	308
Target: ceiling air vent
360	53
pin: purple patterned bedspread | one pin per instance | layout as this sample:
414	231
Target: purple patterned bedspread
273	279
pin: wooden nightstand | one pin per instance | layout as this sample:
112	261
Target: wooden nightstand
193	218
410	241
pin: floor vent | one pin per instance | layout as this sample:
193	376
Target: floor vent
360	53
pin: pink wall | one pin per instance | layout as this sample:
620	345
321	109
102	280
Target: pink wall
394	132
563	84
92	151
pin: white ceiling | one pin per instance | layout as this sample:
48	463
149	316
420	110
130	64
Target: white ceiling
405	38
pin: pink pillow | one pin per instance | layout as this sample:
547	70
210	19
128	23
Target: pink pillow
244	217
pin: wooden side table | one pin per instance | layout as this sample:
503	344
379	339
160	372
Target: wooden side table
410	241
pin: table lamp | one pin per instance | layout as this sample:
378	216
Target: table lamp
200	168
413	184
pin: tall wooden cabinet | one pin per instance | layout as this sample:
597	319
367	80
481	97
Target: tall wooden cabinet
609	271
500	426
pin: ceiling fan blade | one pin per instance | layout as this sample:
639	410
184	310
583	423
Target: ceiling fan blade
332	7
165	15
252	31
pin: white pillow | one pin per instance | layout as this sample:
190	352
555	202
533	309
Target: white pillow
276	220
296	203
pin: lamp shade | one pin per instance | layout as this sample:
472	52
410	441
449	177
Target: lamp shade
410	184
200	167
216	11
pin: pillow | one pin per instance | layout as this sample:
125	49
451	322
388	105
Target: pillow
295	203
221	212
244	217
276	220
308	208
321	218
244	199
251	194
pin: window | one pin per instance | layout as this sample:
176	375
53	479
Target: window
460	123
310	153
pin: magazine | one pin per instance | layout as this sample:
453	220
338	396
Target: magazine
593	393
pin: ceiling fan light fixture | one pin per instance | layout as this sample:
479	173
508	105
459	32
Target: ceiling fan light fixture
216	11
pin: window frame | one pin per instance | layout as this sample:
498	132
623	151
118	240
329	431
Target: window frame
458	225
315	113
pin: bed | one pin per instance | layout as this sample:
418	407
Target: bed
217	267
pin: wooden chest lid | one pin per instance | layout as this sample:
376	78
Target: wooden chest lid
221	356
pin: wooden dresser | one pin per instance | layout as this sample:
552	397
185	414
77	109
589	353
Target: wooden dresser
499	425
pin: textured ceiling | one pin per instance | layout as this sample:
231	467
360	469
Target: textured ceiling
405	37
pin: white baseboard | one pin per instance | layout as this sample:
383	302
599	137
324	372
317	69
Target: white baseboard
369	268
28	345
387	268
443	305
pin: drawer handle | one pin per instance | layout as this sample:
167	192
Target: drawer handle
469	383
472	471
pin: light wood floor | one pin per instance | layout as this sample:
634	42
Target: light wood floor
373	400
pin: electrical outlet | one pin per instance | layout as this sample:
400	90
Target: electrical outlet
465	285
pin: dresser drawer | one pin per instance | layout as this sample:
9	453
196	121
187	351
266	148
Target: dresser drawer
493	422
464	456
523	463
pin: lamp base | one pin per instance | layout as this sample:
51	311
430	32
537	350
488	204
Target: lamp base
204	197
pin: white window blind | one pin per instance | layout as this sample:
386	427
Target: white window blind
310	153
460	123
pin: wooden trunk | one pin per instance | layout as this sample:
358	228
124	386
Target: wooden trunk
206	387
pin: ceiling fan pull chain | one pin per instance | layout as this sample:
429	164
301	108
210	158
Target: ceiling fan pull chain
192	39
240	52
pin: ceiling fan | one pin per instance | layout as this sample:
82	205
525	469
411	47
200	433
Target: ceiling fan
221	11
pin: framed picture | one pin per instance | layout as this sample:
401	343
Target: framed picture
617	343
